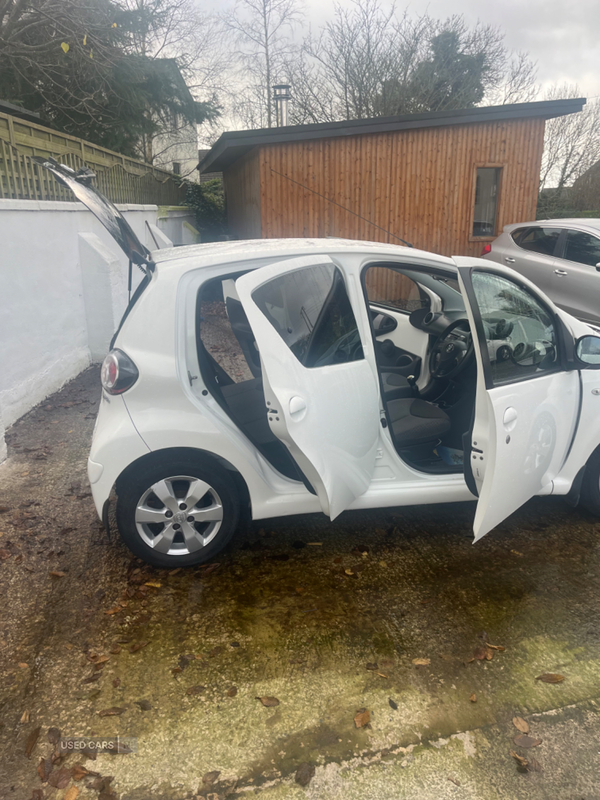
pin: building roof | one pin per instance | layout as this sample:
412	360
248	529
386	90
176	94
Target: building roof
20	112
234	144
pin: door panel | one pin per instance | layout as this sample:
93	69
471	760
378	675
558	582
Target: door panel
526	405
322	394
407	339
576	282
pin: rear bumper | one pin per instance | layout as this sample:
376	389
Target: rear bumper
115	445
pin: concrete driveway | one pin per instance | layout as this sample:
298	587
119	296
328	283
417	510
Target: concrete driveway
368	639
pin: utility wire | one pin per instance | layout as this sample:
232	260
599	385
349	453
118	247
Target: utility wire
364	219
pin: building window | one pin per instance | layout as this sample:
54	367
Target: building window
487	189
177	167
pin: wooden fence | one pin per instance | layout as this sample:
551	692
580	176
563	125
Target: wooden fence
121	179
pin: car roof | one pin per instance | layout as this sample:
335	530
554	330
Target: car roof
570	222
252	249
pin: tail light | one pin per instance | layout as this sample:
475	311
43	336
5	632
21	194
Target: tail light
118	373
487	249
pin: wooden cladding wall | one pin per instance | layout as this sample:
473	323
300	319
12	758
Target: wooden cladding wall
242	191
418	185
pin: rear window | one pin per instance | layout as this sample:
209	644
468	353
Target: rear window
537	239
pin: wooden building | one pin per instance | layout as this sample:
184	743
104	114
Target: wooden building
444	181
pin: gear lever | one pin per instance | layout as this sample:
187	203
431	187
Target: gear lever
413	384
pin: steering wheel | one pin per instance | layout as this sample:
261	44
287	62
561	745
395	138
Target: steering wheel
452	352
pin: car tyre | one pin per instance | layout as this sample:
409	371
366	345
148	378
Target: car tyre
178	513
590	487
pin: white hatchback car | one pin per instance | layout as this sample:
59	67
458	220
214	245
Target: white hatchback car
364	362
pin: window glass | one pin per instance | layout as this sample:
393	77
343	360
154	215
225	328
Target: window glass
486	201
519	331
539	240
582	248
311	312
389	287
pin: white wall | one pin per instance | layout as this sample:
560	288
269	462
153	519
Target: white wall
63	289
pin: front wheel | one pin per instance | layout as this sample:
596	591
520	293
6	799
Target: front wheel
178	513
590	487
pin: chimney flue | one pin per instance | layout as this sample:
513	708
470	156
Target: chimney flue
281	95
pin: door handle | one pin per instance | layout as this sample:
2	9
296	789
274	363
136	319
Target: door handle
297	407
509	260
560	272
510	418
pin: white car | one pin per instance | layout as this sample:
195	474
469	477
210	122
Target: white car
325	416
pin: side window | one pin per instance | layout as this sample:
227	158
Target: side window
539	240
487	189
388	287
582	248
311	311
520	333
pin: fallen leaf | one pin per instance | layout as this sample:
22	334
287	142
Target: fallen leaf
144	705
480	653
516	553
115	650
60	778
78	772
304	773
210	777
4	554
138	646
114	610
381	675
116	682
362	718
57	573
232	692
24	718
550	677
71	793
473	698
37	794
315	544
522	740
44	769
154	584
113	711
521	760
31	741
53	735
269	702
191	690
64	47
373	665
498	647
94	677
348	572
393	704
23	665
216	651
534	765
421	662
454	781
520	724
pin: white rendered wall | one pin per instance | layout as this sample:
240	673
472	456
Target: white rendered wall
63	289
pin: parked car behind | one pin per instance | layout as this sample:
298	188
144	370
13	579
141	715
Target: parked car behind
561	256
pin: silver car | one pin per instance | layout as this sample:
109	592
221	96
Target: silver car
562	256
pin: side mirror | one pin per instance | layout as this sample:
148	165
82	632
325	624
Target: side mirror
588	350
598	267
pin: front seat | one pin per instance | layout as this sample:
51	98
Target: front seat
395	386
415	421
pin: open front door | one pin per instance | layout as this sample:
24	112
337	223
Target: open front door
527	404
321	393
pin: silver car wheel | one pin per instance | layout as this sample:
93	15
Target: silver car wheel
179	515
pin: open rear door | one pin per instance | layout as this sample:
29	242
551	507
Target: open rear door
527	404
321	393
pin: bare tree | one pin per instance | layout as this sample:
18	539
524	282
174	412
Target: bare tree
370	61
262	29
572	142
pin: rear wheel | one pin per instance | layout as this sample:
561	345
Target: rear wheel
590	487
178	513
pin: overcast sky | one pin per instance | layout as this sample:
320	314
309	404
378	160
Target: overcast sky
563	37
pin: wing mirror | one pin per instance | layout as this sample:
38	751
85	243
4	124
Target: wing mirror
587	349
598	267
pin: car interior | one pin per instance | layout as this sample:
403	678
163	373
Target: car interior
422	341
